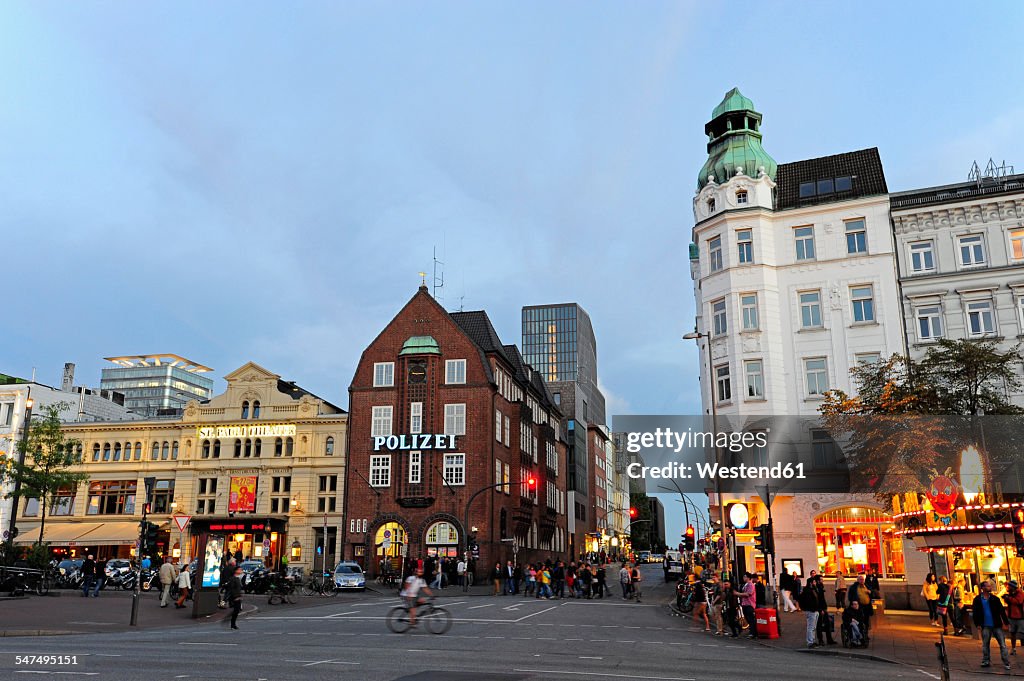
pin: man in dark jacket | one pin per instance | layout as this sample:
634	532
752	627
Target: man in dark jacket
826	624
990	616
859	592
234	596
89	573
808	602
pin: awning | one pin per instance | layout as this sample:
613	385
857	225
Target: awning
963	540
56	532
109	533
27	533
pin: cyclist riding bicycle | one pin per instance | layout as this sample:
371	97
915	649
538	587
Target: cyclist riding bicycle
414	585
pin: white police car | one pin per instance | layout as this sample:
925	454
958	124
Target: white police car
348	576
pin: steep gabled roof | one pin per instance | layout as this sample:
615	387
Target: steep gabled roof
477	325
864	167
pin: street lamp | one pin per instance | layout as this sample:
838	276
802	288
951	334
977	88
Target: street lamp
696	336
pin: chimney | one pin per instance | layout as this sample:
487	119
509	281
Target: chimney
69	377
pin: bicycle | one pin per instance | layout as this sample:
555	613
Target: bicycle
282	590
322	585
437	620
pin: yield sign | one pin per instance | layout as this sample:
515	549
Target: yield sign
182	521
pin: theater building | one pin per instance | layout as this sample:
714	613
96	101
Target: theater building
262	463
443	413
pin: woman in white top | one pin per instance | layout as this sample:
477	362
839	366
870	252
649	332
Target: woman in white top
184	585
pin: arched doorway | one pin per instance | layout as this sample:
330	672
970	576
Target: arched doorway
442	540
852	539
387	547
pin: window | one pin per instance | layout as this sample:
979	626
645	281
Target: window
979	318
280	490
1017	244
863	301
748	309
508	431
806	190
755	379
929	322
381	421
326	501
745	244
741	198
380	470
278	447
1020	311
329	448
256	409
63	501
153	455
506	480
922	256
454	419
455	469
31	507
165	452
816	375
552	456
823	449
96	452
6	413
867	358
383	374
206	449
206	498
497	474
115	497
127	451
117	451
715	253
718	317
972	250
497	425
289	446
856	237
415	468
844	184
245	409
248	448
455	371
711	205
804	237
723	383
825	186
163	495
138	451
416	417
328	483
174	451
810	309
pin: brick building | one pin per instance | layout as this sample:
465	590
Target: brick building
439	410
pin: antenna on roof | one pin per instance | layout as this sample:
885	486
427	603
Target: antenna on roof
462	298
992	171
438	276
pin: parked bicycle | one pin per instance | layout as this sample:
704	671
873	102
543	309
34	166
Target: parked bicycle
437	620
281	590
320	585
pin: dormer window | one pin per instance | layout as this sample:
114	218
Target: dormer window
711	205
741	197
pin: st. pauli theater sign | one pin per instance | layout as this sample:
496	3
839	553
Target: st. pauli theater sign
246	430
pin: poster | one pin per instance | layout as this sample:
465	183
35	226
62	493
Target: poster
211	562
243	494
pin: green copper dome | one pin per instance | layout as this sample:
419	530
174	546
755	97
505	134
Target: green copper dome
734	141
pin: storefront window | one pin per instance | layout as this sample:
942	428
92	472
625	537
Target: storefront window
442	540
854	539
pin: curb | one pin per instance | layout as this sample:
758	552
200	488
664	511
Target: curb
37	632
848	654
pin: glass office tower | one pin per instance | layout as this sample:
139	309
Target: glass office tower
157	385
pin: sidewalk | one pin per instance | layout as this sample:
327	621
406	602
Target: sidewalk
902	637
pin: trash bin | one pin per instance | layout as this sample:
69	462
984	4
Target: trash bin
767	623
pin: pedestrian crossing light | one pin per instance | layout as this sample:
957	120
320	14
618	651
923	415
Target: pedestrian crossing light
688	543
763	540
1018	531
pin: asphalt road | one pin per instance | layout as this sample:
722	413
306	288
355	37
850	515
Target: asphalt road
492	639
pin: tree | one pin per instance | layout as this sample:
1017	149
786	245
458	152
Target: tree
641	534
48	460
972	377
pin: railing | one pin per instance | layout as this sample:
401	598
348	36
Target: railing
957	195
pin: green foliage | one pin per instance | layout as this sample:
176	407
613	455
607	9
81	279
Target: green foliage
49	459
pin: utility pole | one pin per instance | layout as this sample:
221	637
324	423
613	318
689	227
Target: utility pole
143	527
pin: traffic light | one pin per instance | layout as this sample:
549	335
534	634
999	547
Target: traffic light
763	540
688	542
1018	531
633	513
149	532
531	484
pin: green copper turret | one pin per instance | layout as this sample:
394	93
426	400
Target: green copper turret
734	140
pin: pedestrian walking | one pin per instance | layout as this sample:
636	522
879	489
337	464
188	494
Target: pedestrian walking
942	603
496	577
700	604
558	575
460	570
786	585
990	616
168	574
748	595
531	580
89	575
635	578
509	574
930	593
826	624
101	577
809	604
234	596
1014	599
544	582
184	586
625	582
956	605
731	609
599	584
840	588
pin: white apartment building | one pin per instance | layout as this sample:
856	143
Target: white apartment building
795	282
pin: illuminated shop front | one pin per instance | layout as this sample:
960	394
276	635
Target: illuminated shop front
389	541
442	539
854	538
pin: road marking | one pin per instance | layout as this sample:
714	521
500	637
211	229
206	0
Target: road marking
928	673
573	639
534	614
510	607
609	626
589	657
708	645
313	663
342	614
189	643
616	676
599	640
625	641
43	671
477	607
501	637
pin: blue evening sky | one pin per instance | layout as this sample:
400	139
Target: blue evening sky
254	181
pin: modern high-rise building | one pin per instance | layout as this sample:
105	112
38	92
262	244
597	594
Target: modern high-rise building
157	385
559	343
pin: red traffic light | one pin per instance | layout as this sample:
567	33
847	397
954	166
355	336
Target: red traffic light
531	483
633	512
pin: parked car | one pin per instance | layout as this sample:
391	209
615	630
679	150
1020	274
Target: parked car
252	565
349	576
657	558
644	557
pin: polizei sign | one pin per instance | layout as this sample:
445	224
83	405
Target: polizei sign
419	441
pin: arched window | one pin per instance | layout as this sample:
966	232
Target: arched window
206	449
127	451
442	539
245	409
117	451
389	540
155	454
238	448
259	448
174	451
278	447
165	451
216	449
256	409
96	452
248	448
711	205
741	197
289	447
106	451
138	451
853	538
78	453
329	450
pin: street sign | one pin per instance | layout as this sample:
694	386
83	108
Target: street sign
387	534
405	550
386	544
182	521
266	545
